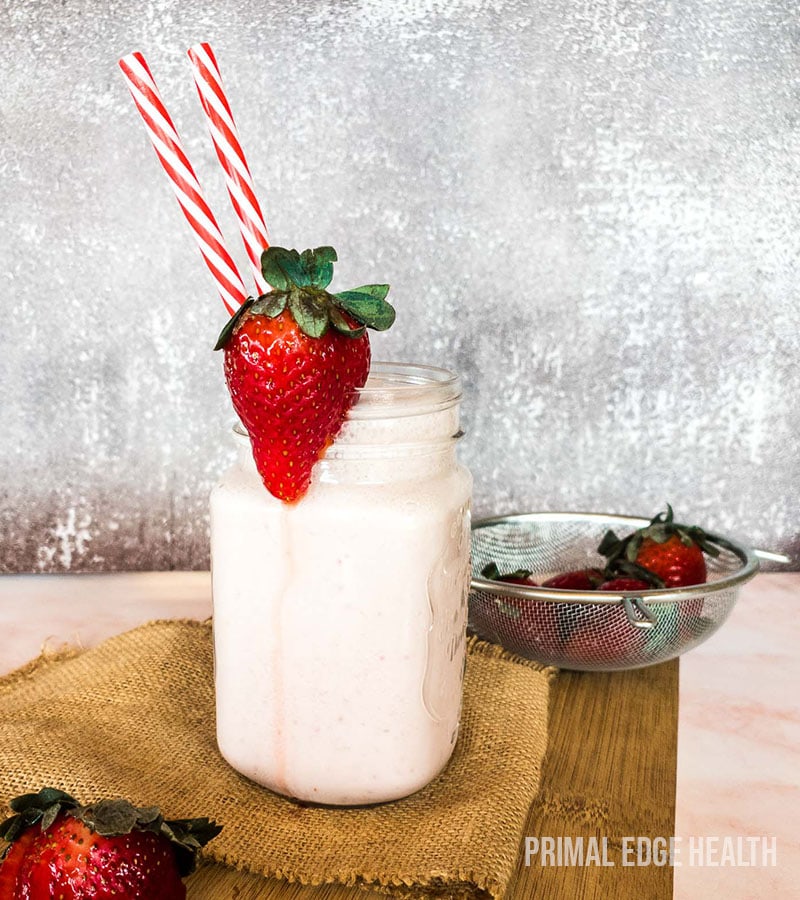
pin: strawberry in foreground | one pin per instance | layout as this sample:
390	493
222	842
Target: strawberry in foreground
294	358
111	849
664	553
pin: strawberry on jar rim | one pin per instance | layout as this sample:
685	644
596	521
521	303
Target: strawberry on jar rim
110	849
294	360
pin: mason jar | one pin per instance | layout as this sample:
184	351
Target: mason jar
339	620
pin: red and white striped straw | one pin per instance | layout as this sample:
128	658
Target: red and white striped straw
231	156
187	188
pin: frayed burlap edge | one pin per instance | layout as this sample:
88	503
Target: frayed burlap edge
495	651
48	657
469	886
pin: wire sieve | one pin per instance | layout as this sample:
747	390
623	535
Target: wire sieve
591	630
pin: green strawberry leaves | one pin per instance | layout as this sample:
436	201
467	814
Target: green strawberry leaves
300	282
110	817
305	276
31	809
368	305
231	324
376	292
319	265
271	304
492	573
310	311
342	325
284	268
188	837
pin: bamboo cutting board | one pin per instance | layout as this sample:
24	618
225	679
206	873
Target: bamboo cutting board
609	773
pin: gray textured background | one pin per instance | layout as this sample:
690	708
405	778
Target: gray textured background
589	209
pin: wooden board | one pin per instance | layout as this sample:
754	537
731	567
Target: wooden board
609	772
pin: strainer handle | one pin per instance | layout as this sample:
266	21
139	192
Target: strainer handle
636	603
773	557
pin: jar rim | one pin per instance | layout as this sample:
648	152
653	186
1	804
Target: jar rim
397	388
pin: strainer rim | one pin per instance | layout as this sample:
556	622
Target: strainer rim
750	566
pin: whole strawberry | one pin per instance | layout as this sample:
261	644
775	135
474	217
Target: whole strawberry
60	849
664	553
578	580
294	359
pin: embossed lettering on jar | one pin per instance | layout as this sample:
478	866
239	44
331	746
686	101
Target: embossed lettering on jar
339	621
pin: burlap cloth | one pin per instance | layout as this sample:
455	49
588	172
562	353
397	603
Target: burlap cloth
134	717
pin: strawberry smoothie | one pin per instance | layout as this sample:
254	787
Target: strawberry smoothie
339	620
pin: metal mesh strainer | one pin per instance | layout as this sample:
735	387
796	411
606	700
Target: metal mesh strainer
590	630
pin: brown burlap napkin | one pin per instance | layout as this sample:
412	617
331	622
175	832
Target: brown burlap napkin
134	717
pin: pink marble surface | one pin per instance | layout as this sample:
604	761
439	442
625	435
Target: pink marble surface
739	723
739	743
46	611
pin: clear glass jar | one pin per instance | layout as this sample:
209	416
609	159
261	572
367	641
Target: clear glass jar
339	621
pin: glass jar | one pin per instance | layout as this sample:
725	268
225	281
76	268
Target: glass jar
339	621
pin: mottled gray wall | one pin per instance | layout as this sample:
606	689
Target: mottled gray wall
590	209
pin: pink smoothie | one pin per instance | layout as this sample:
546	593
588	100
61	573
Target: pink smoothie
339	620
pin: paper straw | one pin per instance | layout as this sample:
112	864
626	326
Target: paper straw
184	182
231	156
